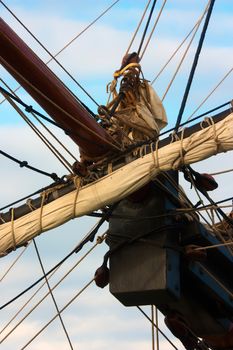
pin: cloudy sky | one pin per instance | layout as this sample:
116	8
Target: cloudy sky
97	320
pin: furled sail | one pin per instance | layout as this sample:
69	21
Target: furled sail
214	139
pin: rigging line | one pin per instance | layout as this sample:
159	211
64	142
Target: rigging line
90	236
157	323
42	124
153	29
180	190
113	144
99	241
33	194
186	51
214	246
191	175
27	302
13	264
26	165
146	27
153	328
72	40
30	109
216	231
179	210
212	91
160	331
202	37
54	317
55	286
52	295
54	58
182	124
222	172
138	27
36	292
174	53
42	137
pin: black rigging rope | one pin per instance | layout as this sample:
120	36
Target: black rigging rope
185	123
192	72
30	109
60	181
138	144
146	27
89	238
26	165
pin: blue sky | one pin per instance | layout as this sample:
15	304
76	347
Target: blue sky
98	321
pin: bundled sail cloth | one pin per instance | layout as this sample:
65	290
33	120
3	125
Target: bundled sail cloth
115	186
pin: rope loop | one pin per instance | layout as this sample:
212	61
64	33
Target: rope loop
77	182
29	204
155	158
182	150
210	122
1	218
100	239
43	196
13	228
174	136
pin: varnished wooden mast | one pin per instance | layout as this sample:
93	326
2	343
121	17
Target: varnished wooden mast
45	87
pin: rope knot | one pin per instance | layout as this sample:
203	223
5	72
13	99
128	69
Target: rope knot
23	163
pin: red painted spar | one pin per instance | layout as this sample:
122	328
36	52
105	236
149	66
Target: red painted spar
51	94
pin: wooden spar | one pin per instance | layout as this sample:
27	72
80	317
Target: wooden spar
51	94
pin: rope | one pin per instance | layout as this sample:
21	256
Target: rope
52	295
88	238
214	246
44	126
218	210
147	142
153	29
140	309
32	194
222	172
183	103
216	280
30	109
13	229
212	91
152	327
64	162
72	40
27	302
52	289
25	164
54	317
146	27
13	264
54	58
174	53
157	324
186	51
138	27
112	144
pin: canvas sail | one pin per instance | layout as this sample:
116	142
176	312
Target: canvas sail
214	139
